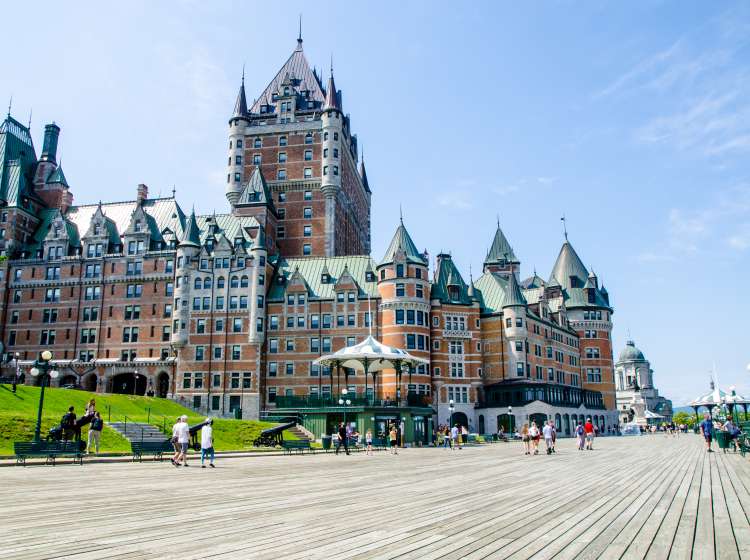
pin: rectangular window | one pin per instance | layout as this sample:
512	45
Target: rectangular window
236	353
400	290
307	173
520	369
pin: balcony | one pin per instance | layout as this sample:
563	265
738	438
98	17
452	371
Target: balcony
412	399
520	394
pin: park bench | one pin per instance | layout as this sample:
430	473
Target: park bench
299	446
155	448
50	450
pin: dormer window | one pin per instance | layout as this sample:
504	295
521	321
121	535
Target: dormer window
137	225
97	229
286	90
453	293
57	232
325	278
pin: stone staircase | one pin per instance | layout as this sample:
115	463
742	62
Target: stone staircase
136	431
302	435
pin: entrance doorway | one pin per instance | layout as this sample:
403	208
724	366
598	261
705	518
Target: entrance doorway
89	382
69	381
460	419
539	418
481	424
129	383
162	385
507	421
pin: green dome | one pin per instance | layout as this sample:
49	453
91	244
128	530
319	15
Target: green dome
631	354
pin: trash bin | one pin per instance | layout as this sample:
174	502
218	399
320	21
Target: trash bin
238	414
723	439
326	442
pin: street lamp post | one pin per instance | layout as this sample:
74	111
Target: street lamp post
510	420
15	372
451	407
343	401
42	368
135	381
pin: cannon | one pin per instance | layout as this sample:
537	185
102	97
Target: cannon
271	437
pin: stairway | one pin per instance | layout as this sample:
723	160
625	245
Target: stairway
301	435
135	431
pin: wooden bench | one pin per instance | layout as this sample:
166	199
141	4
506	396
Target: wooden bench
155	448
300	446
49	450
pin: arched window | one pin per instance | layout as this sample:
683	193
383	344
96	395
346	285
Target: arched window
197	284
558	422
234	282
207	283
220	282
244	282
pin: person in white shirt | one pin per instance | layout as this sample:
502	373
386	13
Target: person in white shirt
181	436
454	437
548	431
207	443
534	437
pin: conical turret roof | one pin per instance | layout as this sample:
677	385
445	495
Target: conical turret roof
332	95
57	176
568	267
513	295
500	250
363	175
402	241
240	106
192	234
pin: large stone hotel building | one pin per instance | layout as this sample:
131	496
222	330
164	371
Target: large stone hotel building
229	310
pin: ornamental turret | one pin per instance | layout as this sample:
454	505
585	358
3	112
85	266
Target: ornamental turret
235	161
188	250
332	120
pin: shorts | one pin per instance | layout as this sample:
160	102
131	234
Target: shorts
589	437
525	438
183	447
549	441
708	438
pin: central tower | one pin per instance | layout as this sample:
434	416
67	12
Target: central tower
296	139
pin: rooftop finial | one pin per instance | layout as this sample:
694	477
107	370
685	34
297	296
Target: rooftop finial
401	214
31	112
498	221
174	190
565	227
331	64
10	104
243	73
299	37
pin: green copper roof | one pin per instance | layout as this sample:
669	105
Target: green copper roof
448	275
500	250
57	176
533	282
311	270
17	162
402	241
256	190
513	295
569	269
191	236
492	287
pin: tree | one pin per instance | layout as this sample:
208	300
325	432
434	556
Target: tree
683	418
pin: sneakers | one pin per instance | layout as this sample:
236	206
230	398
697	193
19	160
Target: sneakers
212	465
203	466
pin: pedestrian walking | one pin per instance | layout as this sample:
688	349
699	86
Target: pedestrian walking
707	428
588	427
368	442
393	438
446	437
207	443
548	430
554	435
342	439
580	435
454	437
95	432
526	438
180	438
534	436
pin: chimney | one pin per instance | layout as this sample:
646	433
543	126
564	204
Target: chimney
49	148
66	201
142	193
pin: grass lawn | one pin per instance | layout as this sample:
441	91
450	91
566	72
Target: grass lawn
18	417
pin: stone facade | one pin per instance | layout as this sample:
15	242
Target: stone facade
229	311
638	400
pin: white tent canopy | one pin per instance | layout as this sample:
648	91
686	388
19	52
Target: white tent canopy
369	356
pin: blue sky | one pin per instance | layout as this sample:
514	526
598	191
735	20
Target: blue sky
632	119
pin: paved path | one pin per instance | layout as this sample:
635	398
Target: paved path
639	497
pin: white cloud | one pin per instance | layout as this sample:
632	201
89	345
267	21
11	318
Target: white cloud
506	189
740	239
454	199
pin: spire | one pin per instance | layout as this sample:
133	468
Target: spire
513	296
299	37
500	250
402	241
363	174
565	227
569	269
191	236
240	106
332	95
10	104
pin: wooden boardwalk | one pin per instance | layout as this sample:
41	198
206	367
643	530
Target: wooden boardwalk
642	497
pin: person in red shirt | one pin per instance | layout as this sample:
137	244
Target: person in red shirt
588	427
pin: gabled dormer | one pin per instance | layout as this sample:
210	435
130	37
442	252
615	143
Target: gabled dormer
101	237
61	239
296	284
137	236
345	281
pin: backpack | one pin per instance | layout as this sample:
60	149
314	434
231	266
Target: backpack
579	431
66	420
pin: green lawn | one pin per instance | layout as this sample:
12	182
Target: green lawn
18	417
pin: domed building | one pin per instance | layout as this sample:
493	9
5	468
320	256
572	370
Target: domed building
637	398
